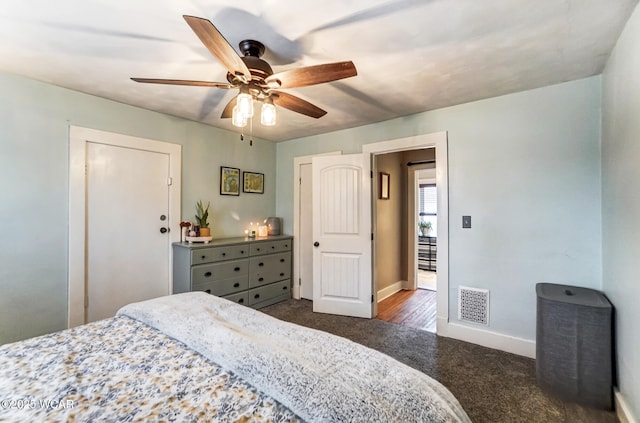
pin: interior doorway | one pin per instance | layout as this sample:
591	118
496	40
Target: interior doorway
435	140
124	199
407	288
425	192
437	144
303	226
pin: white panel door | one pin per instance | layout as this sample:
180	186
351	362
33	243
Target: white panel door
342	282
127	254
306	233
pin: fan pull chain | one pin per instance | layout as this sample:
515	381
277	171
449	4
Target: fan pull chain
250	132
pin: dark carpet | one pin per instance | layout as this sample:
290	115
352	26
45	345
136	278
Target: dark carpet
492	386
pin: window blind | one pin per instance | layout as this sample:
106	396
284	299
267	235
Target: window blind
428	199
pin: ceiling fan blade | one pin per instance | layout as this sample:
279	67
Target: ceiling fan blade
184	82
228	109
218	46
311	75
296	104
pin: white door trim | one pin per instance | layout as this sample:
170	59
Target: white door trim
412	218
297	163
439	141
78	139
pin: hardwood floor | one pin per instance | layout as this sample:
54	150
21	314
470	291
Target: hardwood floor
416	309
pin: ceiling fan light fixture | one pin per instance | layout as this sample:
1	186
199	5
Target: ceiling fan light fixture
255	78
238	118
244	103
268	113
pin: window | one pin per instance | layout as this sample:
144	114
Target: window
428	207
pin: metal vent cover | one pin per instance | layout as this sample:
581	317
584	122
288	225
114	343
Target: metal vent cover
473	305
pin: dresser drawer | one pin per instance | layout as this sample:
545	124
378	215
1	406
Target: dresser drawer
240	297
268	269
265	293
223	286
269	247
215	254
212	272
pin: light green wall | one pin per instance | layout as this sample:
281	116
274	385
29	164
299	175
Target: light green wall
526	167
34	144
621	203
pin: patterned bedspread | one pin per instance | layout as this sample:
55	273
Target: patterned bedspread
119	370
196	357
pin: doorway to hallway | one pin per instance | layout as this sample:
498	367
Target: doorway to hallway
416	309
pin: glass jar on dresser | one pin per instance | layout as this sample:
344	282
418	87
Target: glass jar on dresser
252	272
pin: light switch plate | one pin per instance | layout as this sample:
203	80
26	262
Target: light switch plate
466	221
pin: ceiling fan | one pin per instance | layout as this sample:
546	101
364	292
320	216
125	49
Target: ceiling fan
255	79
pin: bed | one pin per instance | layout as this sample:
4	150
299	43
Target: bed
197	357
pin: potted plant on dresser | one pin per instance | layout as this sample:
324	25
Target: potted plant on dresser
202	217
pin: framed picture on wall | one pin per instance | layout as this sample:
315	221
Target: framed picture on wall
253	182
229	181
383	191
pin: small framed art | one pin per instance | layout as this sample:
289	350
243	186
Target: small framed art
384	186
229	181
253	182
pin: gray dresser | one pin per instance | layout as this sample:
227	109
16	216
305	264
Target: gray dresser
252	272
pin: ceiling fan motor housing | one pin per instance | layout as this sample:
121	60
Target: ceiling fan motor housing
259	68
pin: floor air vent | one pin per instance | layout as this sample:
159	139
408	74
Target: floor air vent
473	305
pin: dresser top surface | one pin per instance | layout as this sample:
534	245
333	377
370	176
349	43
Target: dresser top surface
218	242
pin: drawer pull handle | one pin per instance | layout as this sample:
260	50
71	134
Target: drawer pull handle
260	280
208	291
281	260
282	274
241	300
285	288
204	257
257	249
224	254
237	269
237	284
286	245
206	275
256	296
273	247
261	264
241	251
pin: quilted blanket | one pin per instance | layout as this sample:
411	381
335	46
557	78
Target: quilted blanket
319	376
122	370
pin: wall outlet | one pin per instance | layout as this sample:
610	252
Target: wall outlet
466	221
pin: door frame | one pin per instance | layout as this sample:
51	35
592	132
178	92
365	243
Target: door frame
412	218
79	137
297	248
439	141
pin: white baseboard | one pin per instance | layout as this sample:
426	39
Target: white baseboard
390	290
486	338
622	409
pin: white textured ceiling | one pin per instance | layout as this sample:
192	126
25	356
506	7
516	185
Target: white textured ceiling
411	55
